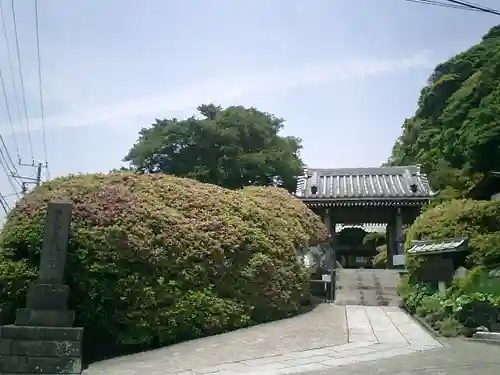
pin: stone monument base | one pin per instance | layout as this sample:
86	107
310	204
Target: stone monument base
40	350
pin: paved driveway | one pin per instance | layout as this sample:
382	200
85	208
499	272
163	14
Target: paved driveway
326	338
455	357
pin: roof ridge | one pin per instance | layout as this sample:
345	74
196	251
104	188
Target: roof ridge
397	182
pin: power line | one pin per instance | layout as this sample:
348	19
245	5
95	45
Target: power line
5	160
454	4
474	6
2	141
7	107
22	80
8	172
441	4
16	143
4	204
40	85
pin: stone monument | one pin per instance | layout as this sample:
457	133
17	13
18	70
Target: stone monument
42	340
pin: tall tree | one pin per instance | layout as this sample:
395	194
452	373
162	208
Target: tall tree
231	147
455	132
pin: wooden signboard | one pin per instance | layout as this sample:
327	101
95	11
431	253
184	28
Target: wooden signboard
436	269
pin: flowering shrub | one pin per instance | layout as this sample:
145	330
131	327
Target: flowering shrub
160	259
477	220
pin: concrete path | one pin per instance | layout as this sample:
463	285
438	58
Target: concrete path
367	287
455	357
328	337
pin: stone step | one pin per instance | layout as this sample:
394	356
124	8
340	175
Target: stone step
367	287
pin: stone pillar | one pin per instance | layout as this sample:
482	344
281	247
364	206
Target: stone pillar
42	340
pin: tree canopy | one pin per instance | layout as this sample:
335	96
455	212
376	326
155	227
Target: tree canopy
232	147
455	132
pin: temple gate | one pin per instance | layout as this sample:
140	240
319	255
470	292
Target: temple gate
385	196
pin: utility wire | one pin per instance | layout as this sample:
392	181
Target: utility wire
4	204
441	4
2	141
42	112
8	172
22	80
474	6
455	4
9	56
7	106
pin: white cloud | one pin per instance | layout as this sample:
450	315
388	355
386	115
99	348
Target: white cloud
232	88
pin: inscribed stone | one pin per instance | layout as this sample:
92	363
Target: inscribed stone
55	243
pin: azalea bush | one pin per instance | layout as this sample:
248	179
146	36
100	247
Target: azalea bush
471	302
155	259
477	220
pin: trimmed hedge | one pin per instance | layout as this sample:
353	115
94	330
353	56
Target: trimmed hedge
468	303
155	259
477	220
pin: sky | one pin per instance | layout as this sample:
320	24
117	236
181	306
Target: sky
344	74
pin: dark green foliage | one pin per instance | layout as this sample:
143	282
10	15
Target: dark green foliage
468	303
156	259
455	131
14	279
477	220
377	241
461	310
374	239
232	147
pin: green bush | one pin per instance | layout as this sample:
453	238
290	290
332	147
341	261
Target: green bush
14	279
449	327
412	295
477	220
477	309
467	304
380	259
155	259
431	308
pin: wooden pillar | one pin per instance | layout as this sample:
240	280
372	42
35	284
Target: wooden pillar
391	242
398	228
334	245
330	225
395	238
327	220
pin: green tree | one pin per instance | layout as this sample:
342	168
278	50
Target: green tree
455	132
232	147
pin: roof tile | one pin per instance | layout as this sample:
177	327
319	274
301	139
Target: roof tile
427	247
364	183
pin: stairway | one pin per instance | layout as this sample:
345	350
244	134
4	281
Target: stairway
366	287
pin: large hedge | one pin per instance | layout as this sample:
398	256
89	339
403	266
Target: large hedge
159	259
477	220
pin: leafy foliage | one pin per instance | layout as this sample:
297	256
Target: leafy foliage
374	239
378	241
455	131
380	259
466	305
158	259
477	220
471	302
232	147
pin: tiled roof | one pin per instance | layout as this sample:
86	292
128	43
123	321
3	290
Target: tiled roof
405	182
442	246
